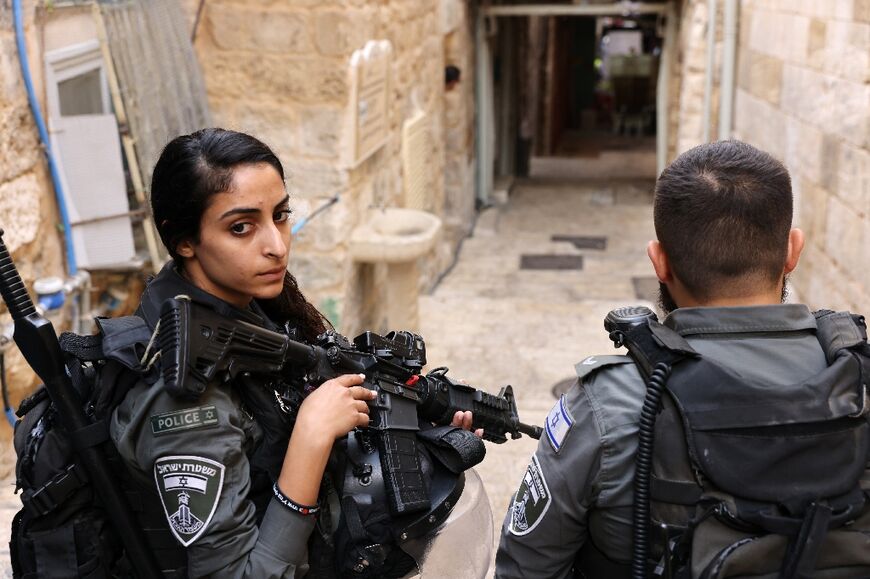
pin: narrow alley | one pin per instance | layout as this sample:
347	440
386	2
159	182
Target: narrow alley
495	322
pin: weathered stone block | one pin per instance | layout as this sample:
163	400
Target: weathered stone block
847	52
803	148
318	271
853	178
813	210
20	210
837	105
237	27
844	236
19	145
779	34
271	123
761	124
309	80
309	178
765	77
817	38
861	10
339	33
11	85
320	131
331	228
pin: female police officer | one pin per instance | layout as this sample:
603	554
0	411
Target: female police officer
235	498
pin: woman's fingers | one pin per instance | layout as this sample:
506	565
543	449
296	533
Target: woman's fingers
361	393
361	406
349	380
462	419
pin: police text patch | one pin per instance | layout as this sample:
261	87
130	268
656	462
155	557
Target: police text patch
189	488
531	501
559	423
186	419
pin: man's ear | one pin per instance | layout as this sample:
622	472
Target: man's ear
660	262
795	247
185	249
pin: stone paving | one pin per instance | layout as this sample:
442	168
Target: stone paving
494	324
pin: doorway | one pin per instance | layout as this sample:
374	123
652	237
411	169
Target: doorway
572	91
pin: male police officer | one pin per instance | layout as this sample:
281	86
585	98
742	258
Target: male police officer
722	215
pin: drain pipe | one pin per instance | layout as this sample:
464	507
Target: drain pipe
729	56
711	62
43	136
663	88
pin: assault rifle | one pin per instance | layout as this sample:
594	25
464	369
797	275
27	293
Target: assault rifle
198	345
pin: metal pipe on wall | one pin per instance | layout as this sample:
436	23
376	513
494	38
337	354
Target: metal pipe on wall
708	72
483	107
729	57
663	87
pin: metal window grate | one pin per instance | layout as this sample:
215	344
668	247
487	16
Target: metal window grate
581	242
554	262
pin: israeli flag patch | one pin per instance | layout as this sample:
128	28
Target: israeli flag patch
559	423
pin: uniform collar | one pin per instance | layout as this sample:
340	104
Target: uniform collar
739	320
170	283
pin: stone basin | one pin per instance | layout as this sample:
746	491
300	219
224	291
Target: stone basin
394	235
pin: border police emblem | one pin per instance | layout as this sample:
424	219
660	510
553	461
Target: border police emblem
189	488
531	501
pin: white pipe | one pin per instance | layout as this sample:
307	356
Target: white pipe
663	88
708	71
79	287
483	106
729	57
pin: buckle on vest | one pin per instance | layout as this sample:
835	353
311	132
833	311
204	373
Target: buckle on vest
56	491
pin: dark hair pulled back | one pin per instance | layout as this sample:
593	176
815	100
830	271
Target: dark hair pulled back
191	169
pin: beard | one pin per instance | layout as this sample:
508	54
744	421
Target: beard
667	304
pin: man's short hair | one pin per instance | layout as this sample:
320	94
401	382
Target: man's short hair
723	213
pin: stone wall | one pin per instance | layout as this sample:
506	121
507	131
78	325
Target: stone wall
803	94
280	72
28	212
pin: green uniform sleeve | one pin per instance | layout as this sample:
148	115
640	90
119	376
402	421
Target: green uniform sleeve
546	523
195	455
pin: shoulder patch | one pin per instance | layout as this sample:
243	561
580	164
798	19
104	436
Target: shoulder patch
531	501
559	423
189	488
595	363
187	419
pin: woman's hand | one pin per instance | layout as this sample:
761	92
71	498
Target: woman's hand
335	408
464	420
331	411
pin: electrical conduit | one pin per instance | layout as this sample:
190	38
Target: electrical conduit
72	267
